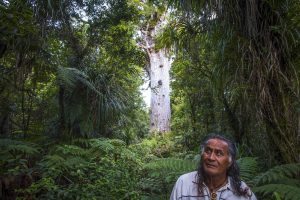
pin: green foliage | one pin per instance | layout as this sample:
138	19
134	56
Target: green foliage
104	169
281	181
248	168
15	156
161	174
165	165
161	146
70	69
278	173
234	54
286	191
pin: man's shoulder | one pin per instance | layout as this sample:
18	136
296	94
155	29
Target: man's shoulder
247	189
191	176
244	187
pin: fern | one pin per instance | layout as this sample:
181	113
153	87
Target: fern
282	180
101	144
54	162
117	142
248	168
71	150
171	165
286	191
83	143
15	147
277	173
14	156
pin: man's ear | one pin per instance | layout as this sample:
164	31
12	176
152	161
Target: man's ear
230	161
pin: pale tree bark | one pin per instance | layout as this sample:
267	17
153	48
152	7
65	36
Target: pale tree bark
159	69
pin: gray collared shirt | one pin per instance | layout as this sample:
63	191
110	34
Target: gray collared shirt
186	189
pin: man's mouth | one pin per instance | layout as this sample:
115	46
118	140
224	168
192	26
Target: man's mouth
211	165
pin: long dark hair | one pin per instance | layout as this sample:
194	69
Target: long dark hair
233	171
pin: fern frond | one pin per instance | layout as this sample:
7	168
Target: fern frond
22	148
54	162
14	147
84	143
171	165
117	142
287	181
277	173
248	168
6	142
286	191
75	162
71	150
101	144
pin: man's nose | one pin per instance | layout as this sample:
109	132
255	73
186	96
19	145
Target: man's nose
212	156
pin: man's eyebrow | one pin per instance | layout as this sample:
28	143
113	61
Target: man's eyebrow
217	149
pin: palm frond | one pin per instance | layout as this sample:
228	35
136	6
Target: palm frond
69	77
101	101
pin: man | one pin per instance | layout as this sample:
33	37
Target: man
217	177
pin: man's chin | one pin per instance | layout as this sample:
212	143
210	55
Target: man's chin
211	171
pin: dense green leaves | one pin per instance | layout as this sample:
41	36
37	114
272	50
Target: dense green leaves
104	169
286	191
244	51
70	73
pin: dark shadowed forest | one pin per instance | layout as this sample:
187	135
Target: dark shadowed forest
74	124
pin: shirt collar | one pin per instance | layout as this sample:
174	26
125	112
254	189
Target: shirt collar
227	186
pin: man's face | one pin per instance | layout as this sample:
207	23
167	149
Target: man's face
215	158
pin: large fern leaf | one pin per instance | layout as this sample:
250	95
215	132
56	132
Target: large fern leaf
277	173
101	145
14	147
248	168
286	191
71	150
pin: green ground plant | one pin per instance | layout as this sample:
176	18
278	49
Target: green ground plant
84	169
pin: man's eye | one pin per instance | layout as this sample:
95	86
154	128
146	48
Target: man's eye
219	153
207	151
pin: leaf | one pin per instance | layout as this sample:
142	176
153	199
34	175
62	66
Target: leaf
286	191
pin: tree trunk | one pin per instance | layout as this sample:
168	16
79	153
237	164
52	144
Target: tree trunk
160	64
61	103
160	113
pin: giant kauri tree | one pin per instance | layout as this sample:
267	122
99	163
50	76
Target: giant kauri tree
159	68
